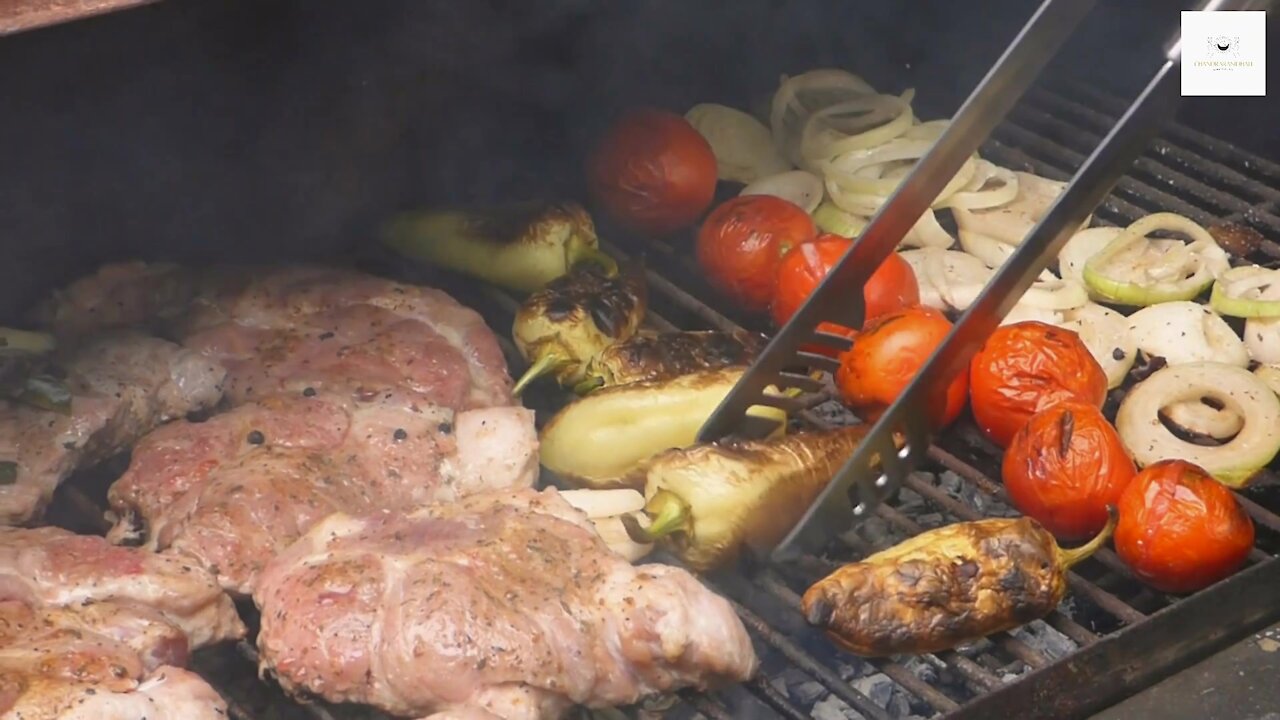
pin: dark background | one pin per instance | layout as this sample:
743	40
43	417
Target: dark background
268	129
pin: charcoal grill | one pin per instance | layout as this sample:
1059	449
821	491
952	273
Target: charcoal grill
1112	637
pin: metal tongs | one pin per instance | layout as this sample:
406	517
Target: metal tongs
880	465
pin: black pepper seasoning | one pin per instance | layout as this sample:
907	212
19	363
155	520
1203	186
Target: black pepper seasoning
400	434
256	437
309	392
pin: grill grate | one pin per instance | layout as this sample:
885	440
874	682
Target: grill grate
1071	659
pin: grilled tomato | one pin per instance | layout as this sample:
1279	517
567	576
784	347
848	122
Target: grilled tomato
741	245
652	172
887	354
892	287
1026	367
1180	530
1064	467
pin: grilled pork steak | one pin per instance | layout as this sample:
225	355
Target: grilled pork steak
284	329
503	602
90	630
58	568
233	491
123	385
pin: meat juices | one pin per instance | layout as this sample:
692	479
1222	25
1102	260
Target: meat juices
233	491
123	385
503	602
89	630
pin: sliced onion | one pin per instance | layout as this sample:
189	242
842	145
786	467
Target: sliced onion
1236	389
1186	332
1134	269
992	252
1055	294
862	122
798	187
1106	333
1022	312
991	186
928	232
1248	292
1270	376
862	181
1010	222
742	145
959	277
800	96
1200	418
1262	339
1082	246
929	294
830	218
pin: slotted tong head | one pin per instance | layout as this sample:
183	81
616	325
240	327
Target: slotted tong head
879	465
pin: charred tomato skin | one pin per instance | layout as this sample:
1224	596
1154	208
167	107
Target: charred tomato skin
892	287
652	172
1180	530
1064	467
1026	367
888	354
741	244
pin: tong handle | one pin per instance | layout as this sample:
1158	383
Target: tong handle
838	298
876	469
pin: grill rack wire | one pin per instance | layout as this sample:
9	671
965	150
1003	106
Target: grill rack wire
1049	132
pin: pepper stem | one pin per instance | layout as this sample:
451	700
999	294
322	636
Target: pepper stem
590	384
670	514
579	251
1075	555
546	362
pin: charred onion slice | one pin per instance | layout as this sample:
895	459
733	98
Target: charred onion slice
1134	269
1184	332
742	145
1106	333
798	187
1234	388
1247	292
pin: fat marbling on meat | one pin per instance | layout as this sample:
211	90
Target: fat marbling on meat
90	630
123	384
232	491
505	603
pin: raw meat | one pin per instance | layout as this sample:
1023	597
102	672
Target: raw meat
504	602
236	489
123	385
54	567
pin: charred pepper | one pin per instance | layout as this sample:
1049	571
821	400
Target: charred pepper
663	355
26	375
520	247
707	502
946	587
559	328
600	440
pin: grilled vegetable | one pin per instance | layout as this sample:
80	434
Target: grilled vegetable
741	243
1026	367
25	374
1233	462
1180	530
576	316
1248	292
519	247
1134	269
599	440
606	510
946	587
1183	332
709	501
666	355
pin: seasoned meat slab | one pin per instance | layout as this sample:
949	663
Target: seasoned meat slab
505	603
236	489
123	385
90	630
283	329
58	568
